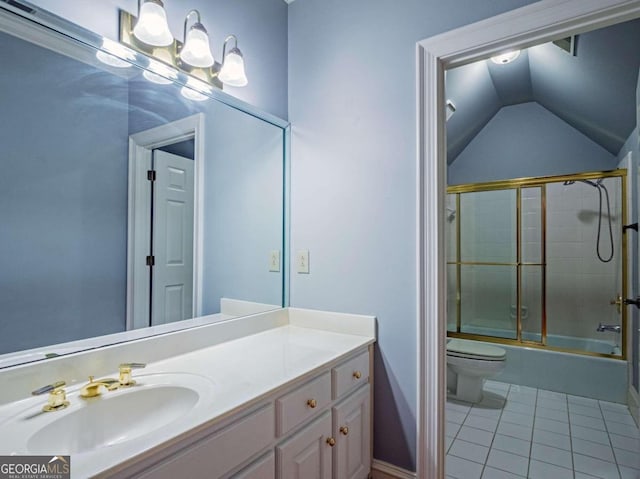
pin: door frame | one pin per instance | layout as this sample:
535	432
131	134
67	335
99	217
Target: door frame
141	146
521	28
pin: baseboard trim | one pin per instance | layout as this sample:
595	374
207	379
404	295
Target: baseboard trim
384	470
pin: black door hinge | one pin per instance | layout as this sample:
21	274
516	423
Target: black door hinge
151	260
633	226
151	175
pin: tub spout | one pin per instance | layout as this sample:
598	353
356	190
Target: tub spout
608	327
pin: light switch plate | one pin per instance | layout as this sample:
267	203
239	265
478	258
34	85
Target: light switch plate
302	261
274	261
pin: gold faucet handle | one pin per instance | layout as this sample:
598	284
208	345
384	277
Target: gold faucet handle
125	373
617	302
49	388
57	396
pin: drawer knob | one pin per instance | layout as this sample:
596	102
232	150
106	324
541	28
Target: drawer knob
312	403
331	441
344	430
357	374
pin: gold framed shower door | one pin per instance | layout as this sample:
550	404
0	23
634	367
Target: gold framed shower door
518	184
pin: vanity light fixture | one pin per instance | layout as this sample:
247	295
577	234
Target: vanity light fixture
152	27
232	71
505	58
196	90
196	51
191	55
114	54
158	72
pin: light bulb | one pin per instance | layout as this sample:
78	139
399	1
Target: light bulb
152	27
232	71
196	51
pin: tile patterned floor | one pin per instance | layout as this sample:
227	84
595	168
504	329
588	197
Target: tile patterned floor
525	432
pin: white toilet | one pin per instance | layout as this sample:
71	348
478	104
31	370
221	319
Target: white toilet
469	363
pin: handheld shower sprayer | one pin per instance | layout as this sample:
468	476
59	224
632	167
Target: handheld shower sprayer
598	184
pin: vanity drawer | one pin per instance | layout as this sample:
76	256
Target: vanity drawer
221	452
350	374
301	404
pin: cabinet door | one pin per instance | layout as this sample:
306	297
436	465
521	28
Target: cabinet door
307	455
352	430
264	468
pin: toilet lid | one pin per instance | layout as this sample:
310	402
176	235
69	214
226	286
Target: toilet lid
474	350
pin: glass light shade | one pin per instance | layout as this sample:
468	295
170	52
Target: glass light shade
114	54
195	90
232	71
152	27
196	51
159	73
505	58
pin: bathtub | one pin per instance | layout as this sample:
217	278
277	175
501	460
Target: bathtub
581	375
601	346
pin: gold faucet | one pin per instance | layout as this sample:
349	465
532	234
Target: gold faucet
125	373
57	396
92	388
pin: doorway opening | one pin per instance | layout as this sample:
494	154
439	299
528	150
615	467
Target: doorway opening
165	223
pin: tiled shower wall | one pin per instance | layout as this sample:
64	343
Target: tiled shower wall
579	285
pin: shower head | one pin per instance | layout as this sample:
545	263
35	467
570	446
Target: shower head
588	182
595	185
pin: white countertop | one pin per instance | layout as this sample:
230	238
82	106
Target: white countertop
241	370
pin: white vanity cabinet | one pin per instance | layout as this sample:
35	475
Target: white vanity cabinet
352	431
338	444
316	427
307	455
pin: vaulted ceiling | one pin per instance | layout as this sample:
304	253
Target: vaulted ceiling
593	91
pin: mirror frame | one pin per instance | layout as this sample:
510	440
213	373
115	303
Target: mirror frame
537	23
48	31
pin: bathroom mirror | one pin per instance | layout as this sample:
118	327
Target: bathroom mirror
130	202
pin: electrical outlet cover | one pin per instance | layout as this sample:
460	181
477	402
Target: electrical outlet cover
302	261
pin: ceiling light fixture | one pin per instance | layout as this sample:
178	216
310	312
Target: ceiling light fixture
232	71
505	58
196	51
152	27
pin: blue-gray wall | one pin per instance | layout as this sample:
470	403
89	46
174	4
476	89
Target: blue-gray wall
352	105
63	198
527	140
261	28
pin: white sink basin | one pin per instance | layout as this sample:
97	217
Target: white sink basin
158	400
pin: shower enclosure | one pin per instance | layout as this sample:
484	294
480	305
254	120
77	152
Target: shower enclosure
539	262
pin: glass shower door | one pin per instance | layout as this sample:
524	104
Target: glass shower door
488	263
